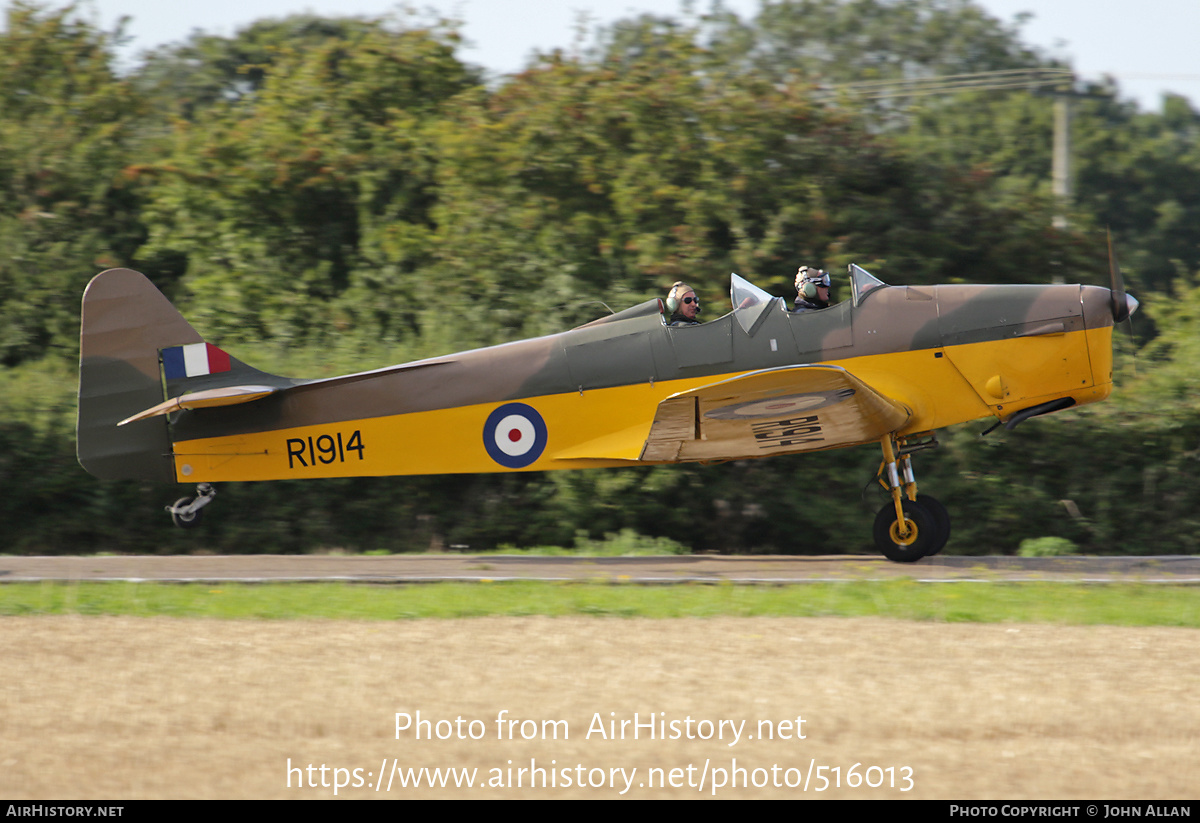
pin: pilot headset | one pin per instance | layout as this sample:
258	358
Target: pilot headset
678	290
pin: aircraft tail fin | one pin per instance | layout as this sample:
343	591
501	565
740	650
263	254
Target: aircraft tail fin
135	351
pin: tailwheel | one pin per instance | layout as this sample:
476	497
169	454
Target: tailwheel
911	540
182	514
187	510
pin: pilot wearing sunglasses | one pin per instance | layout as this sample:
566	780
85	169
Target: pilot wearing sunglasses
683	304
812	289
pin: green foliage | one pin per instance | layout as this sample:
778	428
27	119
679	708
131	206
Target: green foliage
841	41
207	69
1136	174
1140	175
66	124
626	543
302	206
1046	547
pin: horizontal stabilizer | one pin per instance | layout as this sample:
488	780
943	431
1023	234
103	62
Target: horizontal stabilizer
227	396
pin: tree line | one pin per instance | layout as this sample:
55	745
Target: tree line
321	195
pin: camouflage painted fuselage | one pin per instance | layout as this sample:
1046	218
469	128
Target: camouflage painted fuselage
624	390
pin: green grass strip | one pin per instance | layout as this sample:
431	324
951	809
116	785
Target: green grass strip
1092	604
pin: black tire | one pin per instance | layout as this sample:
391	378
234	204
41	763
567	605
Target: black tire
186	521
941	519
923	536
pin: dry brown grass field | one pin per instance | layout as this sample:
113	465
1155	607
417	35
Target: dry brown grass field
127	708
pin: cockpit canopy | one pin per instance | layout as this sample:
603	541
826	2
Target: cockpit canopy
750	302
861	283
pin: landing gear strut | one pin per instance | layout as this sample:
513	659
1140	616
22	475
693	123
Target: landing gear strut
187	510
912	525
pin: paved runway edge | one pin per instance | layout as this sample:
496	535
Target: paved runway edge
691	569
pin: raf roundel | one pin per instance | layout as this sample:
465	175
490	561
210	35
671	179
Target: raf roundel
780	406
514	435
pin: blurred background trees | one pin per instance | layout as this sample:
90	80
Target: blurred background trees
347	193
67	131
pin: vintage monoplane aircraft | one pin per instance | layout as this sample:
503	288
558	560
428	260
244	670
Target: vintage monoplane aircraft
889	365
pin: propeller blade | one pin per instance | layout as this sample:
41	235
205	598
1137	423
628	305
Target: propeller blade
1123	304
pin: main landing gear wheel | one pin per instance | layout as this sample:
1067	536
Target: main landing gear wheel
941	519
925	526
918	538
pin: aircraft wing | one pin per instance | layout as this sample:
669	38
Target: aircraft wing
773	411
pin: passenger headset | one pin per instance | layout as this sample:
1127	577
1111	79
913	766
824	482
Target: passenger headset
806	287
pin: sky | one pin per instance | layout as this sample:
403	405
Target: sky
1148	47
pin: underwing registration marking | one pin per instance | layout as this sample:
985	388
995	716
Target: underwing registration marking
794	432
325	449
